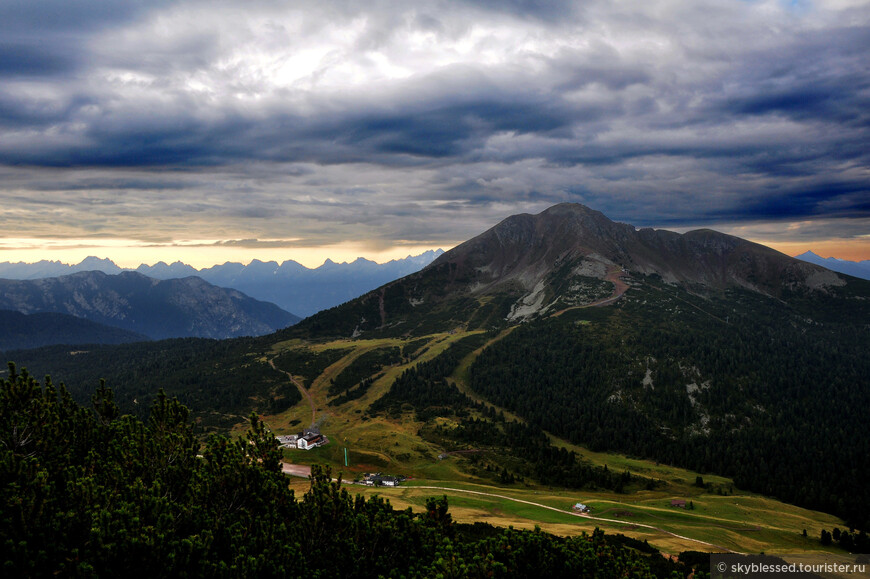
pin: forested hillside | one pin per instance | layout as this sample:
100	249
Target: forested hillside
742	385
220	380
22	331
92	492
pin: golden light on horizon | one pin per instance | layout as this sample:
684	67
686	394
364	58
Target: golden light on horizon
853	250
128	253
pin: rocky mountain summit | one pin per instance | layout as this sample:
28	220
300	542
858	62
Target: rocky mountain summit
567	256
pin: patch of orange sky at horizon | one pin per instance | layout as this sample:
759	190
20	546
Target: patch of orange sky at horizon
131	256
852	250
200	257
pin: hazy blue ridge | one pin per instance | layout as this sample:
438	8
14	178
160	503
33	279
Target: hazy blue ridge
859	269
290	285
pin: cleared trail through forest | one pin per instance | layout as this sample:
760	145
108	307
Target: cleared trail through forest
302	390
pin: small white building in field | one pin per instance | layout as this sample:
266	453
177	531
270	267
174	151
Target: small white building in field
310	441
581	508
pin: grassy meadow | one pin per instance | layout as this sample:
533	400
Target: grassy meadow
722	517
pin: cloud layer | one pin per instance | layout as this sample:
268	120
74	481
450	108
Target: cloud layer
426	122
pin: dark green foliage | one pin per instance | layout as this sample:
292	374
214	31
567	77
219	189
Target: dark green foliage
414	348
517	448
698	560
742	385
432	301
526	451
307	363
222	380
425	386
97	494
849	541
365	366
826	537
352	394
20	331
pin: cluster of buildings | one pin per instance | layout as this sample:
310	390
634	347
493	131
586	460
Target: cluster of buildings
377	479
306	440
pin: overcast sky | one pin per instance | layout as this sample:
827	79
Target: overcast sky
145	130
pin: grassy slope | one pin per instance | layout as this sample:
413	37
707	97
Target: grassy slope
742	521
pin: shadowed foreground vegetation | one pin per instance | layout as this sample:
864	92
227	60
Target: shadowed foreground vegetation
91	492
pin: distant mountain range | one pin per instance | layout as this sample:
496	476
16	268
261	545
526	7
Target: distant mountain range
154	308
529	266
859	269
290	285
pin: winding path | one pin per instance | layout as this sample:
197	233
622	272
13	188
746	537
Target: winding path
302	390
614	276
296	469
581	515
305	471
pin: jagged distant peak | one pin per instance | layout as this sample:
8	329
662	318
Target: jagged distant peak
809	253
94	259
860	269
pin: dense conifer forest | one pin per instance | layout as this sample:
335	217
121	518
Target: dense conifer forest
220	380
91	492
511	451
761	393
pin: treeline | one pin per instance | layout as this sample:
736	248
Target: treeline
520	450
222	380
365	366
308	363
425	387
742	385
850	541
529	454
91	492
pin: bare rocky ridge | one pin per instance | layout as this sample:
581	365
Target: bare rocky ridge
564	257
527	248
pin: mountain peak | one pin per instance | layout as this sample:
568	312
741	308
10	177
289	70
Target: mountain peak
525	249
808	254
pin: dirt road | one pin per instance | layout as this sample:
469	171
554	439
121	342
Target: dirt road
305	471
301	389
619	288
581	515
296	469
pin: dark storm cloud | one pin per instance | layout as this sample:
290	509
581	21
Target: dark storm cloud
547	10
56	16
348	113
816	77
24	59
